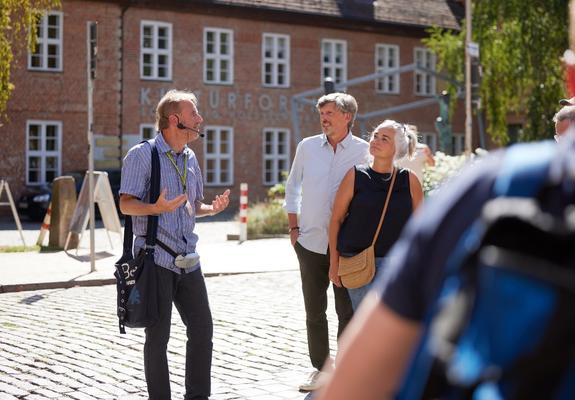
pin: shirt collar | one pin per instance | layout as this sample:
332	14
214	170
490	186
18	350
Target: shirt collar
164	147
344	143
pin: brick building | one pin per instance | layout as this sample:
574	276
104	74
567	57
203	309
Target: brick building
245	59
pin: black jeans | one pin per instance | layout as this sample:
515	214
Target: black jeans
188	293
314	269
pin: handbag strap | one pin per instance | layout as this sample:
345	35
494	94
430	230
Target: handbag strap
393	174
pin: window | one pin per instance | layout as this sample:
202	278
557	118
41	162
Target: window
424	82
275	60
430	139
276	155
147	131
156	50
47	55
458	141
334	60
218	56
386	58
218	155
43	151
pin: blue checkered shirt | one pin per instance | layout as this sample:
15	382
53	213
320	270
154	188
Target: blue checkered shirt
176	228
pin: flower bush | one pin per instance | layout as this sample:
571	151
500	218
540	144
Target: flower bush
445	168
267	218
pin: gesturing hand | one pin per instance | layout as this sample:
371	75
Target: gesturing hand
163	205
221	202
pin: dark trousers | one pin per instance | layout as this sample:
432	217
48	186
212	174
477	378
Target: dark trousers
188	293
314	269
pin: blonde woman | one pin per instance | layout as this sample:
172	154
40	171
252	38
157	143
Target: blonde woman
360	198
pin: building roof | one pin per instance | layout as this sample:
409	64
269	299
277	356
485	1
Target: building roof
416	13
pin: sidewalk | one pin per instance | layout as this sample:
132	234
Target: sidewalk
33	270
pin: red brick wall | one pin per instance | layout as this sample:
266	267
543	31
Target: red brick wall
62	95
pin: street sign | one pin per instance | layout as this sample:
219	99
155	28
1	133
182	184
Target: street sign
473	49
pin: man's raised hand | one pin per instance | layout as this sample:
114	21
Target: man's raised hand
221	202
163	205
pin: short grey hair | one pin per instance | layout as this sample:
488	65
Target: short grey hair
567	112
170	104
344	102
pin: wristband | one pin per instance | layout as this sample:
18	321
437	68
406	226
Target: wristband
293	228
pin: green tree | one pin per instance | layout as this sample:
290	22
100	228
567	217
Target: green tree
521	43
18	27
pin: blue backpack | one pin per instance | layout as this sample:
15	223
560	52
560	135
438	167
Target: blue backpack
503	326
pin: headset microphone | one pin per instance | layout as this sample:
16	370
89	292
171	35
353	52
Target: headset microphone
182	126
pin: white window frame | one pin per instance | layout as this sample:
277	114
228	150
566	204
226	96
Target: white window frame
458	141
43	41
147	126
218	157
275	156
430	139
275	61
383	63
217	57
428	83
42	153
156	52
331	64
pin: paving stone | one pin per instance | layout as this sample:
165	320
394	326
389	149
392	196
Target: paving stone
67	342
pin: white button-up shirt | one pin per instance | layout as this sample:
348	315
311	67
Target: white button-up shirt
313	182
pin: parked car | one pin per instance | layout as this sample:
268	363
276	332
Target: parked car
35	200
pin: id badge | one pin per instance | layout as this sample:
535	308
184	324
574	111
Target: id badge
189	208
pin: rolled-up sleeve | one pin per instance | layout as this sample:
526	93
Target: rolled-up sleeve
294	183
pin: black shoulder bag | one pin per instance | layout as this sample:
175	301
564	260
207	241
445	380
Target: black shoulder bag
136	281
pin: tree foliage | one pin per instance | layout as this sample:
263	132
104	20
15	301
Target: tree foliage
18	29
521	43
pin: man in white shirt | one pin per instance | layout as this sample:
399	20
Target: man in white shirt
320	163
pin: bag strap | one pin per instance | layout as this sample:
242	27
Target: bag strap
152	229
393	175
127	252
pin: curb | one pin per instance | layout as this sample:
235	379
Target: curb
27	287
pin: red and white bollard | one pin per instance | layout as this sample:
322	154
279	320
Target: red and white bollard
243	212
45	227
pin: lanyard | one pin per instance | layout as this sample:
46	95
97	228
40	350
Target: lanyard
182	175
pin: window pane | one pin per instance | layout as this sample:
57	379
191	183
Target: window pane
50	175
162	60
34	130
51	163
33	176
34	162
33	144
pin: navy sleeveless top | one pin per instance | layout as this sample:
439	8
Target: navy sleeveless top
369	193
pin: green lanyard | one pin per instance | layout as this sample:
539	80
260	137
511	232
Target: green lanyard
182	175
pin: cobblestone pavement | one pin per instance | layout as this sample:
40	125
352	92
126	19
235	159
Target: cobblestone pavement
64	344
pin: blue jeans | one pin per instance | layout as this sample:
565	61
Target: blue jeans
357	295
